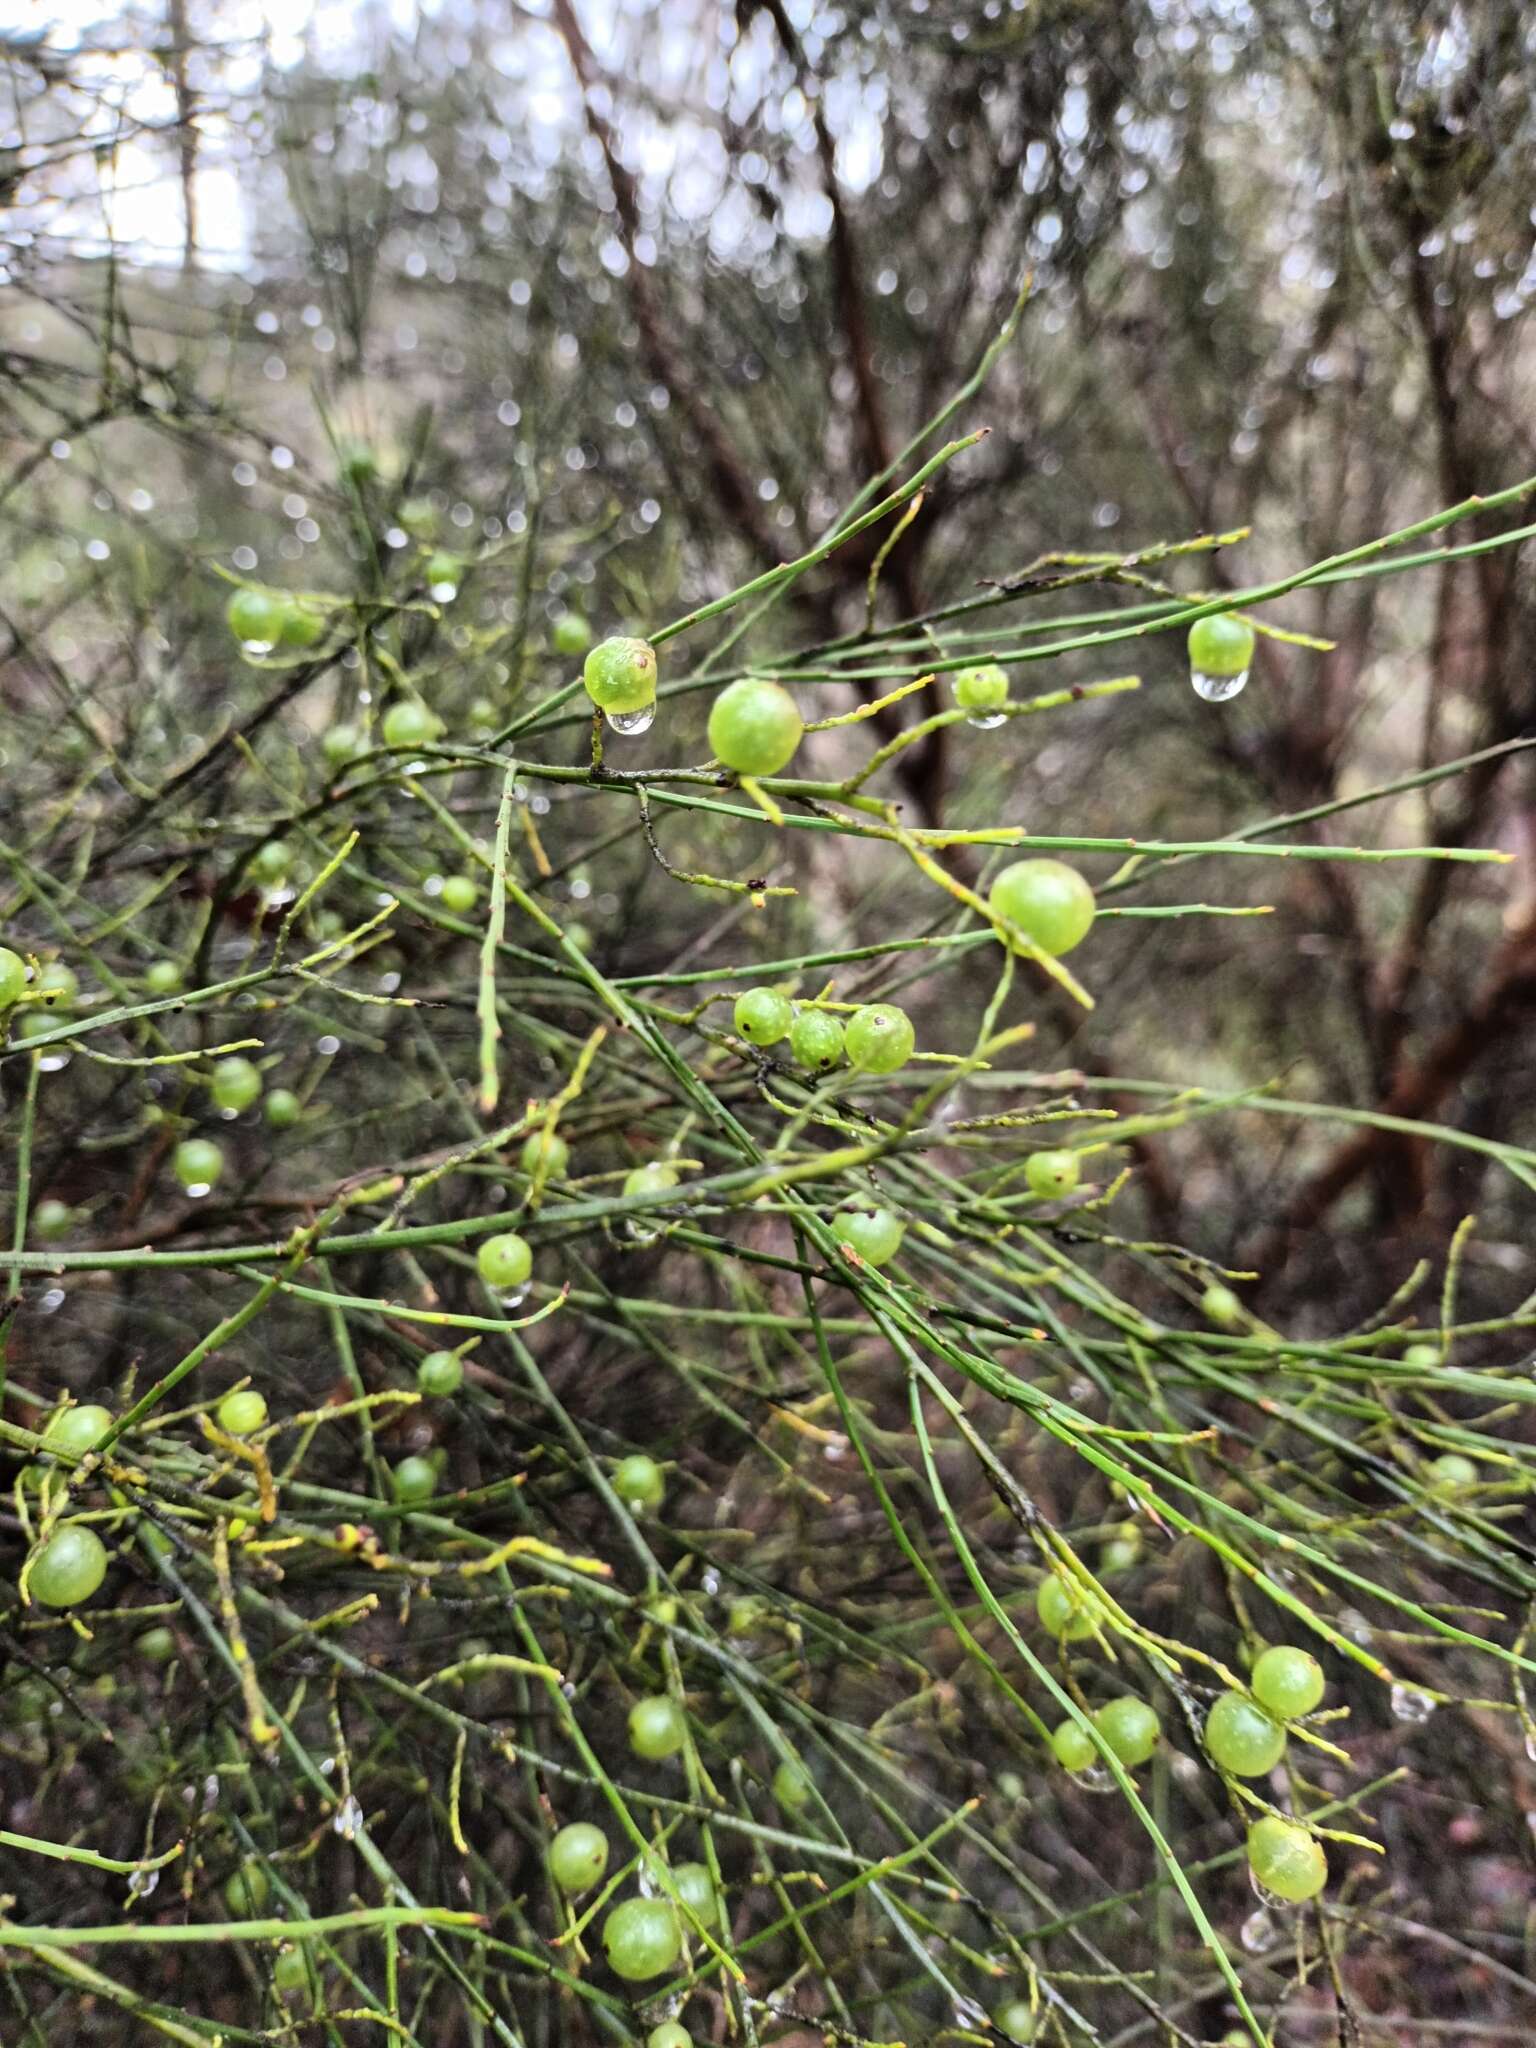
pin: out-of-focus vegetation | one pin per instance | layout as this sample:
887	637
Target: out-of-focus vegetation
866	1452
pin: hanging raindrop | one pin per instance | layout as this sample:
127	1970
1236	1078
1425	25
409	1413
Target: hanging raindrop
348	1818
1097	1778
198	1189
1411	1705
257	646
142	1882
1257	1932
629	724
1217	689
984	721
512	1298
53	1062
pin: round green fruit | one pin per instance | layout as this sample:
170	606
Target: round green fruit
816	1040
270	862
1287	1682
639	1482
696	1888
247	1889
762	1016
58	985
445	572
669	2035
162	978
13	977
1065	1608
1451	1472
874	1235
414	1479
1015	2021
290	1972
1286	1860
578	1857
440	1374
755	726
791	1787
255	618
1242	1738
302	623
74	1431
1422	1357
410	724
657	1728
1221	645
197	1163
69	1567
460	894
1130	1728
642	1939
981	687
504	1262
1073	1747
620	674
282	1109
156	1645
570	635
658	1177
879	1038
241	1413
341	744
236	1084
1052	1175
52	1219
545	1151
1050	903
1222	1307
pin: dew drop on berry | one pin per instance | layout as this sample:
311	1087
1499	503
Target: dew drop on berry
630	724
348	1818
198	1189
1258	1931
1217	689
54	1061
1096	1778
257	646
1411	1705
984	721
512	1298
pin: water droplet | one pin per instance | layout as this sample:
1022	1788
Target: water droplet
641	1233
1097	1778
984	721
257	646
629	724
198	1189
53	1299
348	1818
53	1062
1410	1704
1530	1744
711	1582
1258	1932
210	1791
445	593
967	2012
327	1766
1355	1625
513	1298
1217	689
142	1882
228	1115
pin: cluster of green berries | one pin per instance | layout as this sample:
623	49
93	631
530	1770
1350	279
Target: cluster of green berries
877	1039
264	619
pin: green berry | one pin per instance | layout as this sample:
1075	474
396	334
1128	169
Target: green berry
440	1374
1050	903
445	572
546	1150
460	894
1451	1472
1220	645
52	1219
270	862
669	2035
1052	1175
504	1262
642	1939
418	516
290	1971
236	1083
762	1016
1066	1609
791	1787
639	1482
197	1163
58	985
658	1177
256	618
1422	1357
162	977
1123	1548
874	1235
410	724
620	674
1241	1738
755	726
357	461
657	1728
341	744
578	1857
1015	2021
1130	1728
414	1479
980	688
282	1109
1221	1307
1073	1747
696	1888
302	623
1286	1859
816	1040
74	1431
69	1567
13	977
247	1889
570	635
156	1645
241	1413
1287	1681
879	1038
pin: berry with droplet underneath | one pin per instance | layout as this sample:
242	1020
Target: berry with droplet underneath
879	1038
642	1939
504	1262
1287	1681
762	1016
1241	1738
1221	644
816	1040
69	1568
656	1727
1286	1860
982	687
875	1235
578	1857
755	726
236	1083
639	1481
620	674
1130	1727
197	1162
255	617
1049	902
1052	1175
